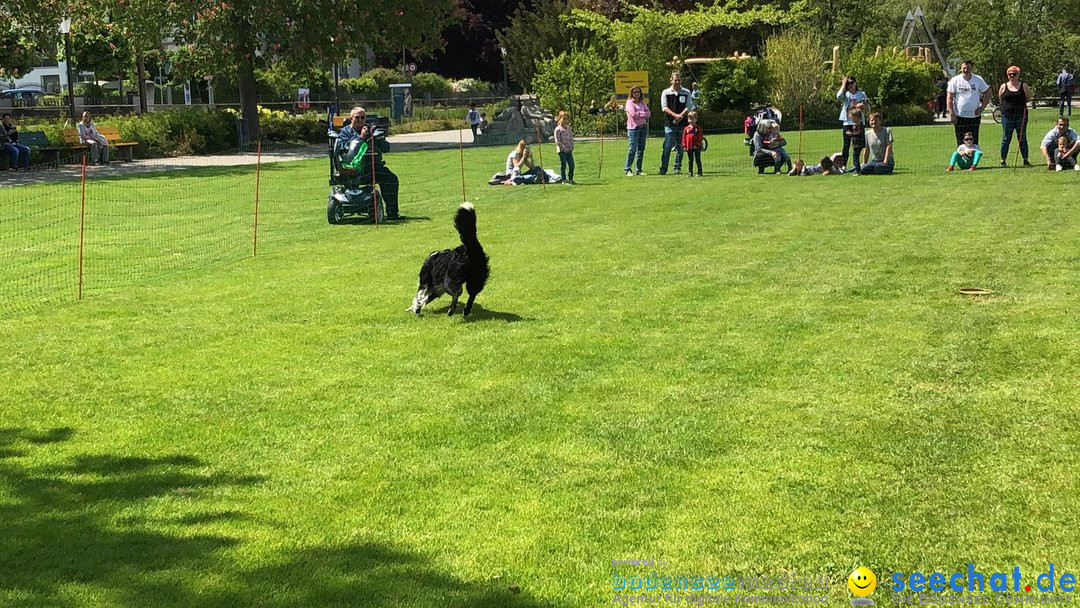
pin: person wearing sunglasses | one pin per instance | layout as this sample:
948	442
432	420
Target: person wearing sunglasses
1014	95
967	154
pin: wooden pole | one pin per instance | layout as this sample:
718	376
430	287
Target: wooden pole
258	167
82	223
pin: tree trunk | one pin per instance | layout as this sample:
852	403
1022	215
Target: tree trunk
249	98
140	75
249	101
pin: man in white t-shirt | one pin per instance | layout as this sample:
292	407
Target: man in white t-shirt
967	95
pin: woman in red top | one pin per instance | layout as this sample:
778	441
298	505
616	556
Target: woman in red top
691	142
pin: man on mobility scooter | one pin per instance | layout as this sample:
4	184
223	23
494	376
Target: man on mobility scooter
355	155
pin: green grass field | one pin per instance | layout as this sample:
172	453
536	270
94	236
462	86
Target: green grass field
740	375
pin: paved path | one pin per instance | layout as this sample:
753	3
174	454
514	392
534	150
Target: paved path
47	174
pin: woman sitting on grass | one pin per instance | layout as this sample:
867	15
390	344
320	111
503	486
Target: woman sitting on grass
879	141
967	154
520	167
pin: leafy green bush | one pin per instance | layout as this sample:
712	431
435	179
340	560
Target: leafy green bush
797	79
431	84
90	89
891	80
383	78
281	81
734	84
471	85
571	81
908	114
361	86
279	126
184	131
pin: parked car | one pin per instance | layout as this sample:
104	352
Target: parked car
23	96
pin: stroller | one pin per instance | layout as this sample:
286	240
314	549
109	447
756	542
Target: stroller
351	193
751	123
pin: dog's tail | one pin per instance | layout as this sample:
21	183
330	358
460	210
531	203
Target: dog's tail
465	222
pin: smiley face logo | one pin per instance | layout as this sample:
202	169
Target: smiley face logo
862	581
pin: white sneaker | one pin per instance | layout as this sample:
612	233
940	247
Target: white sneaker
629	174
1059	167
1076	167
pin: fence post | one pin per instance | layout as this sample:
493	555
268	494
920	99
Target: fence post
255	229
82	222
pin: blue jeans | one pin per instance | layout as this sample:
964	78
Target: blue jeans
1009	123
672	139
19	155
635	139
876	167
566	161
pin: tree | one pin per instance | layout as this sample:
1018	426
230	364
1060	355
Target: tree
536	33
27	29
652	37
571	80
239	36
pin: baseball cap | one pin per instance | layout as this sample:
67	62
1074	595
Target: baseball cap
1012	70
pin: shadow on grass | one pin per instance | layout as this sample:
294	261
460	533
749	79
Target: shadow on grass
357	220
479	313
114	530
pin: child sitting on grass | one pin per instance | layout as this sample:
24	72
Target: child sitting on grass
828	165
967	155
1065	162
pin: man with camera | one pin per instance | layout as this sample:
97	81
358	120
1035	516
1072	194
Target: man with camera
357	131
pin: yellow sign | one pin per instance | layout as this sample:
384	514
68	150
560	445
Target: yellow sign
624	81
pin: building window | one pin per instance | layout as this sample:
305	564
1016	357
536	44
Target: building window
51	83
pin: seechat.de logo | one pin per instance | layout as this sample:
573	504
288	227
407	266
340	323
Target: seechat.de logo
862	583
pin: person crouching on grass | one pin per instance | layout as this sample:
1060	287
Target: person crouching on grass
692	137
967	154
564	144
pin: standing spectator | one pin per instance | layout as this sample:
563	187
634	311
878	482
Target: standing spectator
1052	151
852	99
692	137
939	102
637	129
1014	95
564	144
99	146
967	154
1066	86
474	118
879	141
9	141
695	94
856	134
675	103
968	95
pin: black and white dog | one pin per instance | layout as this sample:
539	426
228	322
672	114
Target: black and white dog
448	270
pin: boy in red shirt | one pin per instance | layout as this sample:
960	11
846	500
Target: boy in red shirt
691	142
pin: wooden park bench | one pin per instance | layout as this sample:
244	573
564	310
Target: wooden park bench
112	134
